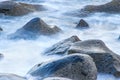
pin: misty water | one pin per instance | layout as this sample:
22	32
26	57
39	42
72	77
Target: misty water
21	55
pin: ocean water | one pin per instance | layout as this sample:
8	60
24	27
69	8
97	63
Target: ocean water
21	55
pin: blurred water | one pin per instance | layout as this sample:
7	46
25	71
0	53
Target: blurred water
21	55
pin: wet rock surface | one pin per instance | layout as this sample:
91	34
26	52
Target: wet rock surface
33	29
62	46
110	7
106	61
13	8
1	29
82	24
76	67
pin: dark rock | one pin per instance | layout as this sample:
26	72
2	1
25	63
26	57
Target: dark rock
76	67
33	29
106	61
1	29
62	46
56	78
11	77
110	7
82	24
13	8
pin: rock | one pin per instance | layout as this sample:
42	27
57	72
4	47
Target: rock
30	0
11	77
1	29
62	46
110	7
1	56
56	78
33	29
119	37
82	24
76	67
106	61
13	8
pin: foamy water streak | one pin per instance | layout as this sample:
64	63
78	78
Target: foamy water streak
20	56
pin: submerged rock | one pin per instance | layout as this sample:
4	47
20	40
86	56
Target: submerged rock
56	78
1	29
33	29
13	8
11	77
106	61
1	56
110	7
119	37
62	46
82	24
76	67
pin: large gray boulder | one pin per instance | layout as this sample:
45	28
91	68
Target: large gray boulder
106	61
76	67
110	7
13	8
62	46
33	29
56	78
11	77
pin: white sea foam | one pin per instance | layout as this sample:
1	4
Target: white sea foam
20	56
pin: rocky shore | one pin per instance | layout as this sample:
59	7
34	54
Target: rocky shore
79	59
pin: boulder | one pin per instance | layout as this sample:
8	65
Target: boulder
33	29
76	67
56	78
106	61
11	77
82	24
62	46
13	8
110	7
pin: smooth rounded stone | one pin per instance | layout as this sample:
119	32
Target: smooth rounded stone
110	7
62	46
33	29
11	77
76	67
13	8
106	61
82	24
56	78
